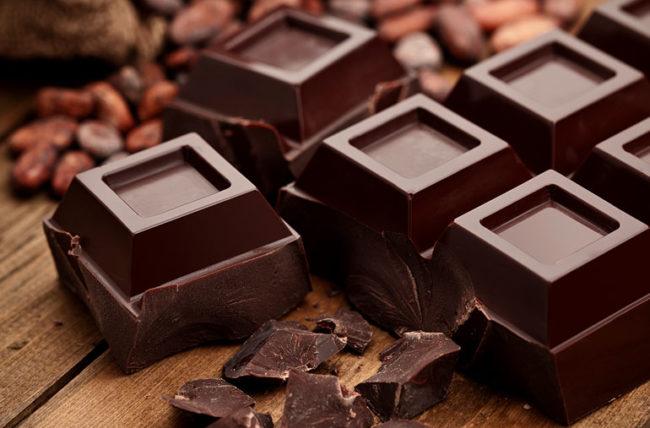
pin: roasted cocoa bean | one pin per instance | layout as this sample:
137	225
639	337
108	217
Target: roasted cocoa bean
200	21
155	99
435	84
148	134
34	168
460	33
521	31
354	10
57	131
62	101
70	164
264	7
418	50
164	7
151	73
565	11
182	58
383	8
100	139
129	83
495	13
111	106
398	26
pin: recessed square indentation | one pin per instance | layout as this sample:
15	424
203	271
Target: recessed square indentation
553	75
550	224
167	182
640	147
414	143
640	9
288	44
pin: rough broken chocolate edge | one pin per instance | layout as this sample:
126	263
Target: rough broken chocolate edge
357	331
211	397
375	268
145	329
246	415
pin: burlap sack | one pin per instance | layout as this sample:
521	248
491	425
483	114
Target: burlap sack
109	30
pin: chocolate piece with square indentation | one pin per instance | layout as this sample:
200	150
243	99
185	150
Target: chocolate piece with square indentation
279	347
539	95
166	247
537	252
210	397
619	170
415	374
319	401
622	29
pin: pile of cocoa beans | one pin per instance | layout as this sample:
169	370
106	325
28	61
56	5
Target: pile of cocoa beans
78	128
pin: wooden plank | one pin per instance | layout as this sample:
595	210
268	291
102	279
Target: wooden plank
102	396
46	336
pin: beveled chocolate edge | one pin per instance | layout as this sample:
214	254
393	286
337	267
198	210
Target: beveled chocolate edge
94	180
624	75
613	9
614	147
356	36
628	226
488	144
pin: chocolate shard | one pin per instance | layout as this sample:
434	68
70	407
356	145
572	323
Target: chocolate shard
401	423
319	401
415	374
211	397
349	325
277	348
245	417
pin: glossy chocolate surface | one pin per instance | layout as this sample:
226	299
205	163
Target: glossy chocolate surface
619	170
168	212
412	169
622	29
539	96
167	248
547	247
290	69
567	381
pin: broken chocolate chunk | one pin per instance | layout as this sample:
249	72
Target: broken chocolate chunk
347	324
279	346
319	401
245	417
415	374
401	423
211	397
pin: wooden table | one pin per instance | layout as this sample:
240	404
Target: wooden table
56	370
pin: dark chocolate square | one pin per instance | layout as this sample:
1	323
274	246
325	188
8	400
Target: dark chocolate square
539	96
411	168
622	29
166	212
298	72
547	247
619	170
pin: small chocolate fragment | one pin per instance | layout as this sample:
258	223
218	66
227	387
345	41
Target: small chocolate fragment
349	325
415	374
277	348
401	423
244	418
319	401
211	397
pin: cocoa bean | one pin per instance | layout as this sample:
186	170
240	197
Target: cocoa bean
460	33
354	10
383	8
151	73
520	31
435	85
418	50
200	21
182	58
111	106
398	26
565	11
100	139
70	164
495	13
129	83
164	7
148	134
155	99
34	168
62	101
57	131
264	7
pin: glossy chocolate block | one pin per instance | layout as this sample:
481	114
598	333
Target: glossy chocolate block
302	76
622	29
411	169
619	170
567	381
552	258
167	248
553	99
